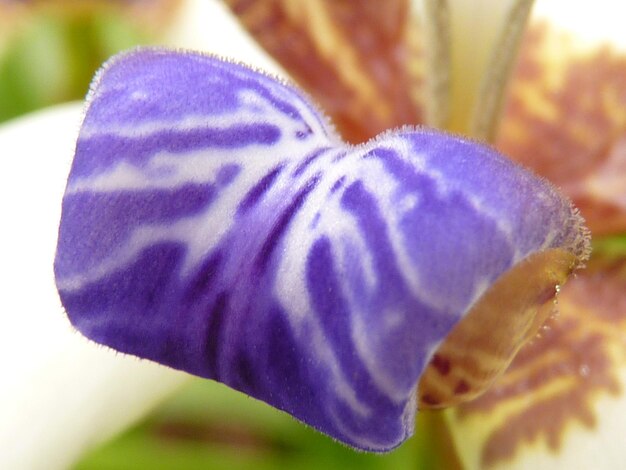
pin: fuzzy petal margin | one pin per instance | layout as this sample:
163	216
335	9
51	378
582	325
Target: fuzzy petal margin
214	222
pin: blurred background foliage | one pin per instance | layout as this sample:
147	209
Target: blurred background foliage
208	426
49	51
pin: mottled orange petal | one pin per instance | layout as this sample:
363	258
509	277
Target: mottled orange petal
564	387
360	60
566	118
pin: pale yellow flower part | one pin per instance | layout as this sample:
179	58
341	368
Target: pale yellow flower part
484	35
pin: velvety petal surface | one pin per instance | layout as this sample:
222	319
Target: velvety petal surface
212	222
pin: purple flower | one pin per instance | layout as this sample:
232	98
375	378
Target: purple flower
215	223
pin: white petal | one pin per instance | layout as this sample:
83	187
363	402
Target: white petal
209	26
600	21
59	393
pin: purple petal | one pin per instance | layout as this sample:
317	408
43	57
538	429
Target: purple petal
213	223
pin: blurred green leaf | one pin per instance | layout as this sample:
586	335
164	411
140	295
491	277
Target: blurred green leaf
613	246
54	58
208	425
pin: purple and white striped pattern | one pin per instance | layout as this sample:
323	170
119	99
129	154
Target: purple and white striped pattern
213	222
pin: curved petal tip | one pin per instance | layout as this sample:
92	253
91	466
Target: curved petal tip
214	223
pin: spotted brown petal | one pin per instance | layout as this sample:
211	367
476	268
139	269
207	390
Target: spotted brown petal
562	398
566	119
361	62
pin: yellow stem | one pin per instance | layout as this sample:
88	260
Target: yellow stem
434	23
472	45
490	97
